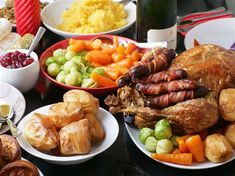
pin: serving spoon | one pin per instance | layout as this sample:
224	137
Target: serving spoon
6	114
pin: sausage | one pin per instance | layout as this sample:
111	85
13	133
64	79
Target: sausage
175	97
164	76
166	87
158	63
124	80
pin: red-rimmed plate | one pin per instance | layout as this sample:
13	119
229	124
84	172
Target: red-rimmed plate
99	91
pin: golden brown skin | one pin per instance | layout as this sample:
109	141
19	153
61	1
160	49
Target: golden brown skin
217	148
19	168
229	133
10	149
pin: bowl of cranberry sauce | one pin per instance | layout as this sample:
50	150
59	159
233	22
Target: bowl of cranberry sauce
18	69
15	59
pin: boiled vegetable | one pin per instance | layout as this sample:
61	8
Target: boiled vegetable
162	130
145	133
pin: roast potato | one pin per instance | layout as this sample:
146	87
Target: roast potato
229	133
217	148
227	104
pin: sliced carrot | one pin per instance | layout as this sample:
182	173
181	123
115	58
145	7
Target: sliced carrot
97	44
125	63
112	74
121	49
99	57
135	56
183	137
195	146
182	147
102	81
118	57
107	49
88	45
72	41
130	48
180	158
115	42
78	45
176	151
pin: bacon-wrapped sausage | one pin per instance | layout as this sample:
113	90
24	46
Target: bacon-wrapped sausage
166	87
158	63
164	76
175	97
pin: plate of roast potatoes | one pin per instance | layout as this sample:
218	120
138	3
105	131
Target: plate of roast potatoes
68	132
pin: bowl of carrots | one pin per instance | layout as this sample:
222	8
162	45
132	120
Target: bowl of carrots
90	63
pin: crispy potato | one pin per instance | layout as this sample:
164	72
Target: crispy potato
227	104
217	148
229	133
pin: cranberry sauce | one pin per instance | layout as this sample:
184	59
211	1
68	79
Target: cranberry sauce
15	59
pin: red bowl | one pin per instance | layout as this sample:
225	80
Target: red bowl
99	91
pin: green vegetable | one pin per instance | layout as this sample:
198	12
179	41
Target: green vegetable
60	60
74	78
151	144
61	77
144	133
79	59
53	69
162	130
87	82
59	52
164	146
99	71
173	140
69	65
89	69
82	53
70	54
49	61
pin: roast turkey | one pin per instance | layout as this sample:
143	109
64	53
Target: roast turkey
210	66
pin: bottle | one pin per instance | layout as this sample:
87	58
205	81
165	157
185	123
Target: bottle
156	21
27	14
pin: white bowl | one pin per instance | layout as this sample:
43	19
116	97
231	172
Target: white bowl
51	18
108	122
23	78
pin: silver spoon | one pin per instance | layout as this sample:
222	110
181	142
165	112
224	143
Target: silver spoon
5	117
36	40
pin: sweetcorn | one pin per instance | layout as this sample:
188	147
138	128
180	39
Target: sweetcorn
93	16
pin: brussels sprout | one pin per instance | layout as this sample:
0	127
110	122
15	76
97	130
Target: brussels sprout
69	48
61	77
68	65
79	59
99	71
60	60
162	130
70	54
82	53
85	75
164	146
151	144
87	82
89	69
73	79
59	52
53	69
49	61
173	140
144	133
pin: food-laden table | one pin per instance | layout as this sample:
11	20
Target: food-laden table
123	158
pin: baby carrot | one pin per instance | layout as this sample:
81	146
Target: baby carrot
102	81
180	158
195	146
182	147
130	48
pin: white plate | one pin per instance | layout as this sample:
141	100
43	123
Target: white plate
220	32
51	18
40	173
12	96
108	122
134	132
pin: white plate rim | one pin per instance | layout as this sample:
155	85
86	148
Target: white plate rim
188	40
28	148
128	6
195	166
19	116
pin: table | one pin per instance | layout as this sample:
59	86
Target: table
123	158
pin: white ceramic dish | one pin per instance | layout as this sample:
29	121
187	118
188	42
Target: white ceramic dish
40	173
219	31
12	96
24	78
108	122
134	132
51	18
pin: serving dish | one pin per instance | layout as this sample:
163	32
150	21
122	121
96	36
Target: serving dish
108	122
12	96
218	31
134	132
51	17
40	173
99	91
